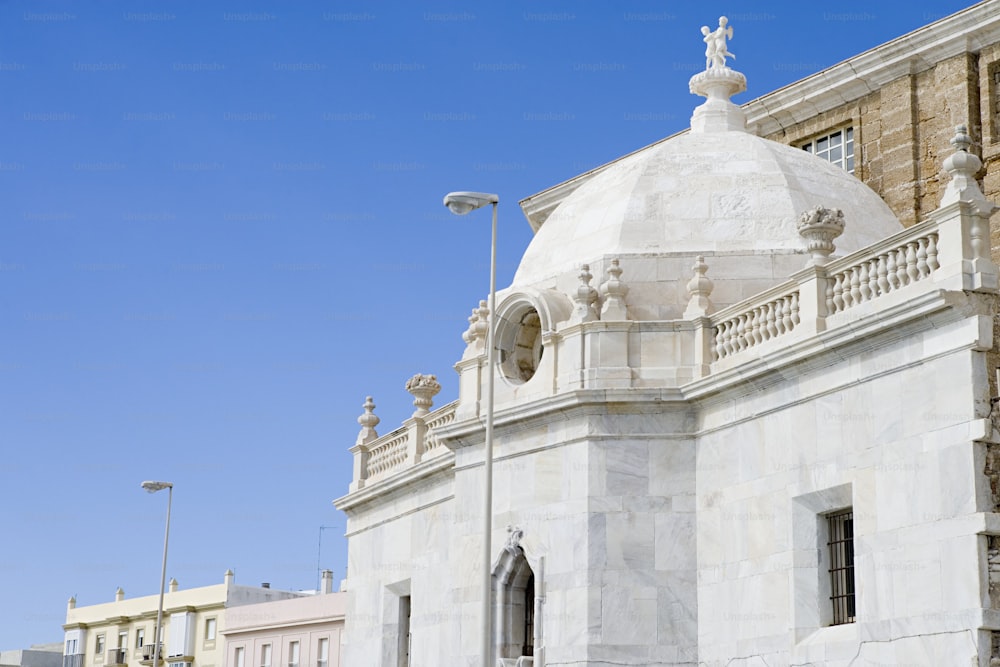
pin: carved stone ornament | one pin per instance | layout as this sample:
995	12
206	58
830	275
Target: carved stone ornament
699	288
368	420
479	325
717	83
819	226
513	544
963	166
424	388
585	297
613	292
716	50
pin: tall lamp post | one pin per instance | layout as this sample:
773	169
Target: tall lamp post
461	203
153	487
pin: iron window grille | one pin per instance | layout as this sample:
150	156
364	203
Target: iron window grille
840	526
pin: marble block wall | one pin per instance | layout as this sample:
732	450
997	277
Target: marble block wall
890	432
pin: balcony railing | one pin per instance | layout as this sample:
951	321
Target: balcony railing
117	656
147	651
75	660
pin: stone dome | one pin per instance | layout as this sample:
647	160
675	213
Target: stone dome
717	189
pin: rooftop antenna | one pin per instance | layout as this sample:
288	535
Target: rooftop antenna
319	552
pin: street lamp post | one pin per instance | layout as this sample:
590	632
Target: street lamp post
461	203
153	487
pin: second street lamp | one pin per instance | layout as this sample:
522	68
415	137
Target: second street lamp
153	487
461	203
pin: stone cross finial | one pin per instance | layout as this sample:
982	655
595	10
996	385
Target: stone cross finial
368	422
424	388
585	297
699	288
963	167
613	292
819	226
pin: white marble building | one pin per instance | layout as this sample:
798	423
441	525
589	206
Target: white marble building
743	417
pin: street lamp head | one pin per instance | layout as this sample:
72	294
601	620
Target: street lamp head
461	203
153	487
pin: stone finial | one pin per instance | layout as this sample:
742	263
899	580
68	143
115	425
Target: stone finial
585	297
963	167
819	226
479	326
423	388
699	288
172	585
613	292
718	83
71	603
368	421
119	594
228	577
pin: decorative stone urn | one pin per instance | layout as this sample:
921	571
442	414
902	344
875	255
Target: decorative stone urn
819	226
424	388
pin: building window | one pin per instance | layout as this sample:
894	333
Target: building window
323	652
238	657
840	526
99	645
123	639
836	148
404	631
140	637
265	655
209	629
70	647
514	604
293	654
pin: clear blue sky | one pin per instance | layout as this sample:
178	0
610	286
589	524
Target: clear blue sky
222	228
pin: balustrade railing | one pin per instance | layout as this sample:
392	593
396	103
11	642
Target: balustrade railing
386	456
756	325
442	417
876	276
945	249
413	442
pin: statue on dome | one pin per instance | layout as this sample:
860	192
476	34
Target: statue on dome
716	51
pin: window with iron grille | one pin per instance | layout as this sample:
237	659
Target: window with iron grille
836	148
840	527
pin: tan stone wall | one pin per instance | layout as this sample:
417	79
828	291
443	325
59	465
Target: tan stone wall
902	132
989	86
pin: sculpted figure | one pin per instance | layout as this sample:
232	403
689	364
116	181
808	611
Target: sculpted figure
716	51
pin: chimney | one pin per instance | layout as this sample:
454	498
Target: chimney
119	594
265	585
172	585
227	578
72	603
327	582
